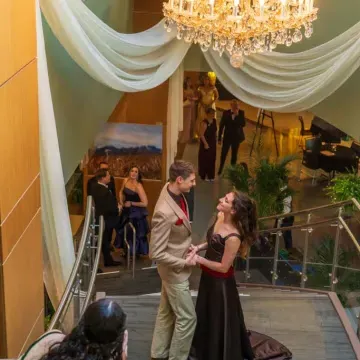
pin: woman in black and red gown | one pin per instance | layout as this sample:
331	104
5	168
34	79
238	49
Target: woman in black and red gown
221	333
207	148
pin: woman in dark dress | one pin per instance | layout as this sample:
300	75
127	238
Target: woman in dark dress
133	201
207	149
221	333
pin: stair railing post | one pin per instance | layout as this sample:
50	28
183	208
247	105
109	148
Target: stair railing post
333	274
276	258
306	250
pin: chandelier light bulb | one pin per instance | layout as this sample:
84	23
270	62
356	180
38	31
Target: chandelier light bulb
301	4
239	28
261	5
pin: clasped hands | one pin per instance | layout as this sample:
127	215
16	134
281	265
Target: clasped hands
192	258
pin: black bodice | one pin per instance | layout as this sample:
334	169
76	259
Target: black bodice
131	195
216	244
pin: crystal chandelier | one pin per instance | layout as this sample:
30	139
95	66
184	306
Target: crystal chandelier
240	27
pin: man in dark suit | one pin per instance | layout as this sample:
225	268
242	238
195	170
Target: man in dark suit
107	206
92	181
232	124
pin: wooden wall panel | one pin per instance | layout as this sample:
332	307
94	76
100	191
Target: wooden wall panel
23	287
19	218
144	107
3	347
21	266
17	36
146	6
19	139
144	21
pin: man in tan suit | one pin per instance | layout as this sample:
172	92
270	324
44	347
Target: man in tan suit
169	245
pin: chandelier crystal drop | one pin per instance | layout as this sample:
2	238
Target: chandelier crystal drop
240	27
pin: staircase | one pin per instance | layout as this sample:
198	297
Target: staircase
306	322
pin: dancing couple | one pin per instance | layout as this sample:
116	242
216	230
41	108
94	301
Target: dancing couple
215	330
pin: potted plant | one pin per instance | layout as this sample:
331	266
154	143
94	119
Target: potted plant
345	187
266	183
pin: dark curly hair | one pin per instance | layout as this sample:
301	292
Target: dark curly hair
98	336
245	220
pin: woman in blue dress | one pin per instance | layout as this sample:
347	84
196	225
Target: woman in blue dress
133	202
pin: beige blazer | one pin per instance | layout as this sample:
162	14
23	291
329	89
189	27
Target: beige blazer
169	243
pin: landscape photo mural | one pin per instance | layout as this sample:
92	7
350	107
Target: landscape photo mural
125	145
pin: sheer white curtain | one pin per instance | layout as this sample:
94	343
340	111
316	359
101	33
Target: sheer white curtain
291	82
125	62
58	246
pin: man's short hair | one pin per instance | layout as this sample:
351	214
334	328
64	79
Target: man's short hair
180	168
101	173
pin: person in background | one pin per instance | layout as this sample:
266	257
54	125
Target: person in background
207	148
232	127
100	334
133	202
186	134
208	95
111	186
287	221
107	206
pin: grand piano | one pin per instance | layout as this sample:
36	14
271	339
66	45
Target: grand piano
324	152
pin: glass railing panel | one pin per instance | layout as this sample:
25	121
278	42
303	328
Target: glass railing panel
320	256
348	268
290	257
255	270
348	291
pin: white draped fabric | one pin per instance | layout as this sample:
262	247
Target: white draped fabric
129	63
273	81
291	82
57	236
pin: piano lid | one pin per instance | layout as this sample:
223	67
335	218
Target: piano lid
327	131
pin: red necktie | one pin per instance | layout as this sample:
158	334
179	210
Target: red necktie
183	207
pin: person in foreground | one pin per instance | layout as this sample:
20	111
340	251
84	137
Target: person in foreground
169	244
100	335
221	332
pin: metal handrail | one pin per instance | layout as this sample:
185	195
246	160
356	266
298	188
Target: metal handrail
317	208
85	259
299	226
128	247
75	269
338	221
95	265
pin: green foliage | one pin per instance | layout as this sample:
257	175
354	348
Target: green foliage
266	183
344	187
318	277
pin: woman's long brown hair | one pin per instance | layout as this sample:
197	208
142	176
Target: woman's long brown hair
245	220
